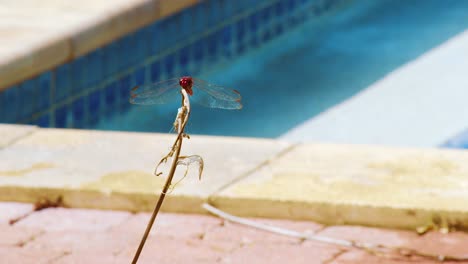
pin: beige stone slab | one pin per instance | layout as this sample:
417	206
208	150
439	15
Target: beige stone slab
11	133
114	169
356	184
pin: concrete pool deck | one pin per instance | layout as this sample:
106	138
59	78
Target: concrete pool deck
421	104
330	184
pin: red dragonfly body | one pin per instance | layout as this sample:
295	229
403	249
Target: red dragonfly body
201	92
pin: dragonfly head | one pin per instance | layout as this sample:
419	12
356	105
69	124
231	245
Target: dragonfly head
186	82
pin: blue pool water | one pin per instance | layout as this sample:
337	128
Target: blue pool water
311	68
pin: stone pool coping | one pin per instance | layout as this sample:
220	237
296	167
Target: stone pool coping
39	36
331	184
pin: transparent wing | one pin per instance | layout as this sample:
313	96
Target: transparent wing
218	92
204	98
155	93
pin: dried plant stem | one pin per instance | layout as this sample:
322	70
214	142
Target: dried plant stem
374	249
181	121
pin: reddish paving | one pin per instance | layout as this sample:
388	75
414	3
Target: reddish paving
59	235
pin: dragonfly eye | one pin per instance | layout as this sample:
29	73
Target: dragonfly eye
186	82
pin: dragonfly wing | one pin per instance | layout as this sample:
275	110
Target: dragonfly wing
219	92
157	93
203	98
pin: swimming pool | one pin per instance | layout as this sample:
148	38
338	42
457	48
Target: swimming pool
310	68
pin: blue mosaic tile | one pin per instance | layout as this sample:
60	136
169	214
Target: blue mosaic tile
212	45
125	52
45	86
141	45
94	103
225	9
78	110
184	55
111	59
61	116
266	35
136	49
278	29
124	87
110	95
168	33
198	50
155	35
254	21
186	25
94	68
43	120
265	15
217	11
3	111
240	30
155	71
169	65
28	98
11	104
201	18
279	8
63	82
226	39
240	36
140	76
78	74
291	5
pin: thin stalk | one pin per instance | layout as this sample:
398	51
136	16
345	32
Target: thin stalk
178	145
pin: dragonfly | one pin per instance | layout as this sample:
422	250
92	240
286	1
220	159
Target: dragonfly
201	92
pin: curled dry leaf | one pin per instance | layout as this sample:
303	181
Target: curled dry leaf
189	160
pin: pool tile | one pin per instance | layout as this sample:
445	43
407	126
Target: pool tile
28	96
184	56
169	64
169	34
43	120
155	71
291	5
63	82
111	59
78	74
265	15
132	50
140	76
212	42
124	87
154	30
61	117
279	8
202	17
45	86
226	38
78	109
110	95
141	45
11	102
186	22
198	52
124	52
240	30
94	104
94	68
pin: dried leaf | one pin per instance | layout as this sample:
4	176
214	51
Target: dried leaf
189	160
